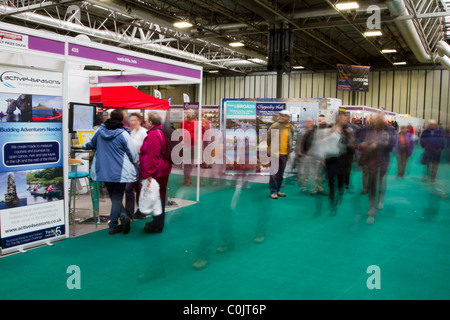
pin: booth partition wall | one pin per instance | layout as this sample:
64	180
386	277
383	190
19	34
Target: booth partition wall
419	93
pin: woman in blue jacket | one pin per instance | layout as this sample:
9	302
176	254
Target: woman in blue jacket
114	164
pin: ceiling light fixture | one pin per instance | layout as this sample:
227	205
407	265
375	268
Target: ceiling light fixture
389	51
298	67
183	24
236	44
402	63
213	71
347	5
373	33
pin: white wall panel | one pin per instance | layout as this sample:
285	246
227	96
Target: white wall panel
374	93
413	93
435	104
330	85
443	118
396	92
428	101
383	83
404	94
307	84
389	90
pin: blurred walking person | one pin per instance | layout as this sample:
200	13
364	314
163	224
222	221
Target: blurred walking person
305	160
132	190
403	150
318	159
433	142
377	145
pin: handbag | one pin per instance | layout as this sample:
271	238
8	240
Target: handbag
149	199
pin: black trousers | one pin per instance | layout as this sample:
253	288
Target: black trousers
335	167
347	167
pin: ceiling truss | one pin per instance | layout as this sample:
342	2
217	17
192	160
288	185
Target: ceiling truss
324	36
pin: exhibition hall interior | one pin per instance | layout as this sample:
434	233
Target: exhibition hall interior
225	150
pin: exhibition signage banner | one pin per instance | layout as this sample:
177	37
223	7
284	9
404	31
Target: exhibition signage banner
31	164
131	61
26	42
246	122
353	78
266	115
241	139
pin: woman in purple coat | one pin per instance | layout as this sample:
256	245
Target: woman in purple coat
403	150
154	166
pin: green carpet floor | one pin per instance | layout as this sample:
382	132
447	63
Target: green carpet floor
307	253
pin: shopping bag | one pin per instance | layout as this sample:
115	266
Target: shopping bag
149	199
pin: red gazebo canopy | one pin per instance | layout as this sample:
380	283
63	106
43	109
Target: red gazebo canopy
127	97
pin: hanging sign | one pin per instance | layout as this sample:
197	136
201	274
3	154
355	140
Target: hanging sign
353	78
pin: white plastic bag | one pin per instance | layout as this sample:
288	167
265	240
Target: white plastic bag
149	200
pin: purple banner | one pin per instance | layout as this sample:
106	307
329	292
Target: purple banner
125	60
23	41
46	45
131	78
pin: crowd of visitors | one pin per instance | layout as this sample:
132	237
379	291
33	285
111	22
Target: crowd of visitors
129	155
328	152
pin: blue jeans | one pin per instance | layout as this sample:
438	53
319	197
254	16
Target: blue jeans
116	191
276	180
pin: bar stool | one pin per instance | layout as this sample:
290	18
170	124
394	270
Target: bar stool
91	185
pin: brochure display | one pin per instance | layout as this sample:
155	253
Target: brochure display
31	166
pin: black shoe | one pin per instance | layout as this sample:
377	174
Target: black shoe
125	220
139	215
118	229
155	226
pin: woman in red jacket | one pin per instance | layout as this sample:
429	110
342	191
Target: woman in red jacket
154	166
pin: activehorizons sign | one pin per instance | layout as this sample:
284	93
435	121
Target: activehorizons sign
34	80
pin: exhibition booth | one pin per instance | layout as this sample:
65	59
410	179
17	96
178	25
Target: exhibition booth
416	123
42	73
362	113
246	121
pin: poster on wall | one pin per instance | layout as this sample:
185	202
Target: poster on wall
266	115
209	113
353	78
241	139
329	108
31	166
303	109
